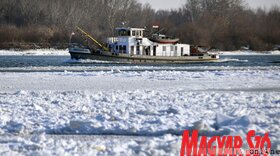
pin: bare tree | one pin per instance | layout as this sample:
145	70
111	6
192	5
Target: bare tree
225	24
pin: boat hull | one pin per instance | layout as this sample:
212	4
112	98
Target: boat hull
107	56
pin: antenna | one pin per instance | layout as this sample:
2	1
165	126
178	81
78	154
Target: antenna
123	23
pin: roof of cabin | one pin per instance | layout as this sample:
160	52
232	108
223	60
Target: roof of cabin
130	29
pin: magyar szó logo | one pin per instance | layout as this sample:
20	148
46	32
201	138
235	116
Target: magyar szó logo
225	145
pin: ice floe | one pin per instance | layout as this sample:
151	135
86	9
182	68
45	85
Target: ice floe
36	52
118	112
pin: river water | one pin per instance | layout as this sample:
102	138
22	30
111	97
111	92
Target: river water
62	63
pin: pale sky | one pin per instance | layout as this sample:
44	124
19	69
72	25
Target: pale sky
168	4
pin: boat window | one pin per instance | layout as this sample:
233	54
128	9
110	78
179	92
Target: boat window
124	33
176	49
155	50
182	51
137	33
133	33
138	50
120	49
164	48
132	50
124	49
171	48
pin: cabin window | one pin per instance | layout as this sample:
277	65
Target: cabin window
155	50
124	33
176	49
133	33
171	48
138	50
148	50
163	48
132	50
120	49
121	33
182	51
124	49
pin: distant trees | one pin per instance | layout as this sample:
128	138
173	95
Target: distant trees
211	21
224	24
229	25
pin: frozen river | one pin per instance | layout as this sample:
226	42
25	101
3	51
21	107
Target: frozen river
61	63
50	105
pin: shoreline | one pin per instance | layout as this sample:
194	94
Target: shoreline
64	52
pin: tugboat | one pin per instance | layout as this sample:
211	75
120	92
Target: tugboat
130	46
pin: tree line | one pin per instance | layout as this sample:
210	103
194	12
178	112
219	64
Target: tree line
223	24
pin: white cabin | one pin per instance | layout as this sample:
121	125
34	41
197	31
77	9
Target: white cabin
131	41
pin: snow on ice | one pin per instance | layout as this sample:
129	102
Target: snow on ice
132	113
36	52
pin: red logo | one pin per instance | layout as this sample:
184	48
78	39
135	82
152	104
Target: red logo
225	145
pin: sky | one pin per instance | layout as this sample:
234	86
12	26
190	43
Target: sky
168	4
